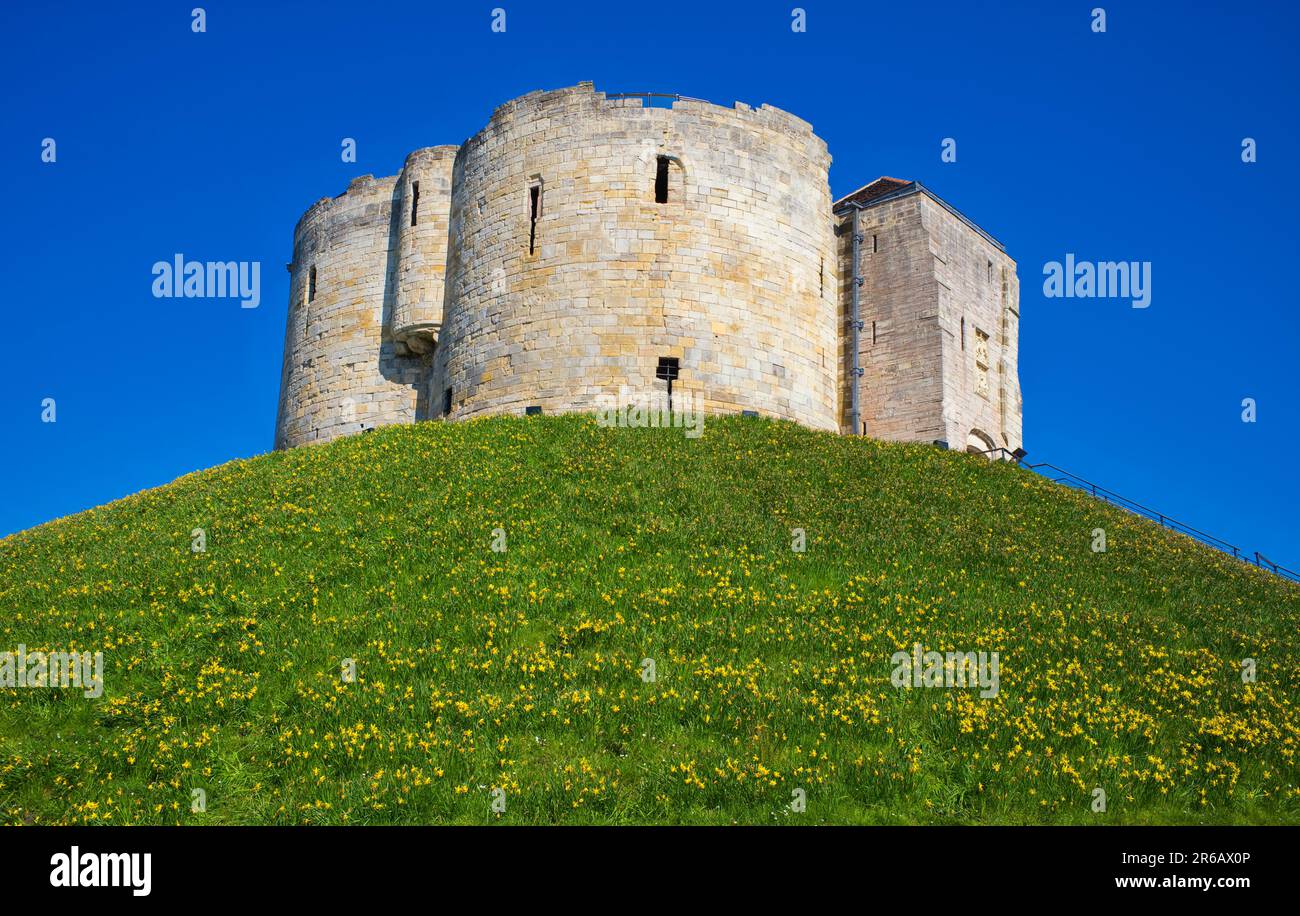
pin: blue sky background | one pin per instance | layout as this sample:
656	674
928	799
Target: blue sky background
1124	145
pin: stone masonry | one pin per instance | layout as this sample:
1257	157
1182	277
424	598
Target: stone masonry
940	307
578	240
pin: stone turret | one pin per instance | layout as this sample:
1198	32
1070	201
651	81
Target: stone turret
593	237
341	370
425	185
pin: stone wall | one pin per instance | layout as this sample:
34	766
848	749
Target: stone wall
979	316
341	373
900	351
940	312
733	275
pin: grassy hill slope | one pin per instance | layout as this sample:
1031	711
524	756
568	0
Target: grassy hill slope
522	670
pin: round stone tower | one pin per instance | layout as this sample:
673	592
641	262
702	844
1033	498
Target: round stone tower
341	371
592	238
425	186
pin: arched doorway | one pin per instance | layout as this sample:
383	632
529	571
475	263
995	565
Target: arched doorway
980	443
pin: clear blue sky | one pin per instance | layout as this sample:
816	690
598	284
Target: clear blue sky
1123	145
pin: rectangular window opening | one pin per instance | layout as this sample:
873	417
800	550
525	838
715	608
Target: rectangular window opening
821	276
534	211
311	284
874	245
446	402
873	332
668	369
661	180
415	200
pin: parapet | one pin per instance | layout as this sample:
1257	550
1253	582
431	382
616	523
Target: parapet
539	102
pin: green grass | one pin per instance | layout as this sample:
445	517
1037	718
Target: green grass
520	670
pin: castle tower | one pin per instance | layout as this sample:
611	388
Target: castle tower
425	186
940	311
593	237
581	247
341	371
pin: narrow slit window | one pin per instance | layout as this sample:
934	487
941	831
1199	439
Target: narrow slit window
873	333
874	245
415	201
661	180
311	284
446	402
821	277
963	333
534	212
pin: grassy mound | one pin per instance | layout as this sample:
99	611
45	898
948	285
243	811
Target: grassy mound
517	676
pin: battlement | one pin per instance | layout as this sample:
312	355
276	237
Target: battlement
584	99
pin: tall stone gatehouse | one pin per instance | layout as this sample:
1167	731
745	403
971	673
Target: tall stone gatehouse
579	243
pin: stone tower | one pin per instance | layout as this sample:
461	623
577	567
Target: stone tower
579	241
940	312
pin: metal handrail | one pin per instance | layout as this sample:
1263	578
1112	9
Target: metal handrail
1265	563
1070	479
